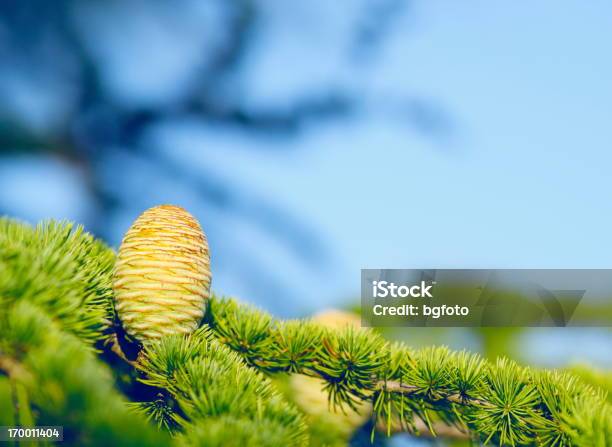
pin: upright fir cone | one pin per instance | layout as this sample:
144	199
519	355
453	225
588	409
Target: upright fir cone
162	275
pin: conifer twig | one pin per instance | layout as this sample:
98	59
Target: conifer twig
499	402
56	305
403	388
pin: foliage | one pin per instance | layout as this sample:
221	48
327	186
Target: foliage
500	403
210	387
60	382
54	304
60	269
597	378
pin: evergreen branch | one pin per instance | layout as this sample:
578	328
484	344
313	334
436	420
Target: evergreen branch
61	269
499	402
215	391
212	386
160	412
599	379
62	383
401	388
56	304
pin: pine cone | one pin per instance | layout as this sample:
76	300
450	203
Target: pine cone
162	275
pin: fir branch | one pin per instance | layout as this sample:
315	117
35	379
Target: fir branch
61	269
56	303
213	389
160	412
499	402
599	379
62	383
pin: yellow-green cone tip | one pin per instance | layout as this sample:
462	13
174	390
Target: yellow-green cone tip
162	275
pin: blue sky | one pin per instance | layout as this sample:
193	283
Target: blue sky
522	181
520	176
